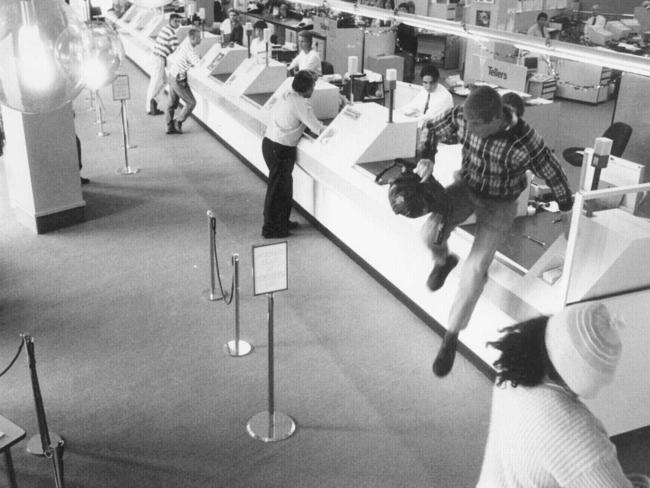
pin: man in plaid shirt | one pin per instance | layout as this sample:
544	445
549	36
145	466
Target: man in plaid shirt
498	148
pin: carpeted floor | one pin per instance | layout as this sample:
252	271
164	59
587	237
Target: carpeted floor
130	355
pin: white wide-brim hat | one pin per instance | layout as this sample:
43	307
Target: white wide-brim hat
584	346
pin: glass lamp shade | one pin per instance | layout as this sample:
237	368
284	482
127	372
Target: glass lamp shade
104	56
42	50
151	3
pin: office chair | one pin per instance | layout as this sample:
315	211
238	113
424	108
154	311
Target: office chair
618	132
326	68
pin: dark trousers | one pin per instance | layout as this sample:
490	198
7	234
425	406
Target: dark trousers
280	160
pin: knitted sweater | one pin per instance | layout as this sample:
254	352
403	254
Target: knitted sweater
545	437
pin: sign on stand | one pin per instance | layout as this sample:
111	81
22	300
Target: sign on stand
122	93
121	90
270	274
270	268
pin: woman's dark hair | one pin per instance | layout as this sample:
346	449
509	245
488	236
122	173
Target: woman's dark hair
542	15
514	101
303	81
524	360
260	24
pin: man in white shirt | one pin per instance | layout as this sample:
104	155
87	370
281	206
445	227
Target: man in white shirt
540	28
595	20
308	58
179	62
289	117
433	100
258	45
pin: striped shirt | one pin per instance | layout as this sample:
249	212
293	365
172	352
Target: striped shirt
166	42
495	167
544	436
182	59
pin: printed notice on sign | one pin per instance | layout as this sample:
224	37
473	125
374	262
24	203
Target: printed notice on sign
270	268
121	89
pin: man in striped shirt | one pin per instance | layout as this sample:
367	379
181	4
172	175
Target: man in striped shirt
498	148
166	43
180	61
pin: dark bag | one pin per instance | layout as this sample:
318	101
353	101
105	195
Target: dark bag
409	197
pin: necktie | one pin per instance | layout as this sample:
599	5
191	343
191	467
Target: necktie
426	105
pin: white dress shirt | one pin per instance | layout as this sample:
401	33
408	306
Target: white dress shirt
309	61
258	46
439	101
225	27
290	114
535	31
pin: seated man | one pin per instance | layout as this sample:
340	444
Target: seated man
232	29
432	100
540	28
308	58
595	20
258	45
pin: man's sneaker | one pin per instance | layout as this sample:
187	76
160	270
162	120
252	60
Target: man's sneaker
440	271
178	126
153	108
171	128
445	359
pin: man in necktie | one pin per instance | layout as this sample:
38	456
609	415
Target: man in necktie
432	100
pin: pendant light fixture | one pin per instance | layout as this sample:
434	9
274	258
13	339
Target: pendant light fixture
42	51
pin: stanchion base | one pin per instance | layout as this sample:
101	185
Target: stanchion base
265	429
35	447
103	134
237	349
130	146
127	171
213	297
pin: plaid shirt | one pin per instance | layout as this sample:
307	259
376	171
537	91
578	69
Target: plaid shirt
495	167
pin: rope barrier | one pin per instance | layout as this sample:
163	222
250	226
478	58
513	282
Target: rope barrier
20	348
213	227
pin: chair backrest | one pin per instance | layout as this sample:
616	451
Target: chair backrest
326	68
619	133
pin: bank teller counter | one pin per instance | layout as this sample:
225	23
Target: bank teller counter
331	184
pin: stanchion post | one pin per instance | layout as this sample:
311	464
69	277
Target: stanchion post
237	348
41	444
126	120
211	293
127	170
99	110
271	260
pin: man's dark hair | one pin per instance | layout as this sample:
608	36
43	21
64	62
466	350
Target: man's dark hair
485	103
303	81
514	101
305	34
175	16
542	15
403	5
260	24
524	359
430	70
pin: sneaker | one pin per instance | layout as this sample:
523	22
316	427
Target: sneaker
445	359
84	181
153	108
179	126
171	128
440	272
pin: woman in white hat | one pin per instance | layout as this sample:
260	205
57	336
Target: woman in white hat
541	434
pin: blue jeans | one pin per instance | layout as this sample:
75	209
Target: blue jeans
179	90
